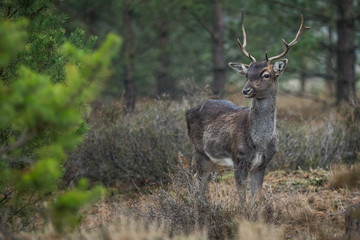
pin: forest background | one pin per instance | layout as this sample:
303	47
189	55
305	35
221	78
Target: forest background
93	94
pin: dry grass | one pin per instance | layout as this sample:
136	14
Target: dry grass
297	109
124	229
127	229
258	231
294	208
345	177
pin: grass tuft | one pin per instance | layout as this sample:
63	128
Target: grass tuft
345	177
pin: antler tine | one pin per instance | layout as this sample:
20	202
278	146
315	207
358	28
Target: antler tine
243	28
289	45
243	46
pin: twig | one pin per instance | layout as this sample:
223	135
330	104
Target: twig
13	13
23	207
337	213
37	12
203	23
6	196
24	137
137	188
314	13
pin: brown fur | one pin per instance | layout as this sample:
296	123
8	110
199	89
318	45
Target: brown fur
222	130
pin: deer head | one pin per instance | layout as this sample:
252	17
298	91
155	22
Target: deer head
262	76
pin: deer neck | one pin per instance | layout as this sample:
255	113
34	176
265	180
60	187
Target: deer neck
263	121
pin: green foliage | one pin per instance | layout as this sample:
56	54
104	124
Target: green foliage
42	176
45	36
179	36
65	210
12	37
40	121
78	39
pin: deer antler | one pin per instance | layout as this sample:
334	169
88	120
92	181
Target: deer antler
289	45
243	46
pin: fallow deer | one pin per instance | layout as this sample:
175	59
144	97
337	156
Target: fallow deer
243	138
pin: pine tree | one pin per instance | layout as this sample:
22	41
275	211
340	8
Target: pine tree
44	83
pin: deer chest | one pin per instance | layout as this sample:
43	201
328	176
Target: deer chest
262	134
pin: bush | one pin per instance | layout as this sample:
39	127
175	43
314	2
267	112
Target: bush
131	149
141	148
319	144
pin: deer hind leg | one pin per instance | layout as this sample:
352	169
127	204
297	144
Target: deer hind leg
203	167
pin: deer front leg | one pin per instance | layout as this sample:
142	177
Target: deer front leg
257	178
241	173
257	175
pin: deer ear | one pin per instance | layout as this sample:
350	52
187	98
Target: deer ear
239	67
280	66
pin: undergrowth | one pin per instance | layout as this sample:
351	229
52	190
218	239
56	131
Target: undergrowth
135	149
184	211
151	147
319	144
141	148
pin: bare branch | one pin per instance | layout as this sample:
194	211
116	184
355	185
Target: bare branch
28	203
304	10
204	24
6	196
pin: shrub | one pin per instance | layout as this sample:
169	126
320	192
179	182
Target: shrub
319	144
131	149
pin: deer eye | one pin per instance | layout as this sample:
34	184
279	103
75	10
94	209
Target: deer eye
266	76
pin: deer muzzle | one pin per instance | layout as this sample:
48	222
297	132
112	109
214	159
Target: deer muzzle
247	92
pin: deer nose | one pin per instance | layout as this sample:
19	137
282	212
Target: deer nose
246	91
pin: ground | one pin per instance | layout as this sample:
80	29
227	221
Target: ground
304	202
296	204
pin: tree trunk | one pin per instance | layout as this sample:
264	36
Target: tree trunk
218	51
345	52
130	92
329	64
352	222
303	72
164	83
